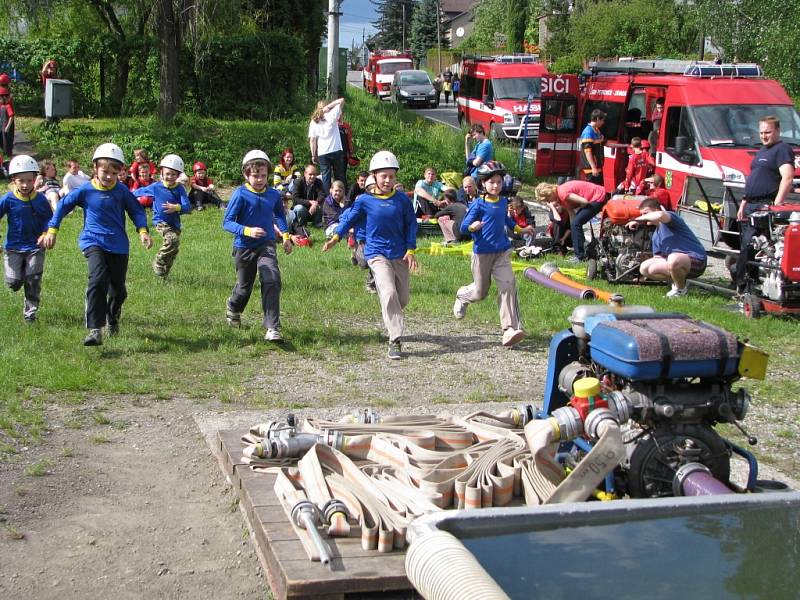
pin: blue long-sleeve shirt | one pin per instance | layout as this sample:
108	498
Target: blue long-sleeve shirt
490	238
248	208
390	223
27	219
162	195
104	212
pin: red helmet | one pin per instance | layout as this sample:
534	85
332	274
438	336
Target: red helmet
4	79
645	144
3	91
198	166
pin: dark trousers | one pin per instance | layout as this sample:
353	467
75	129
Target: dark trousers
582	217
199	198
264	261
105	292
746	253
332	165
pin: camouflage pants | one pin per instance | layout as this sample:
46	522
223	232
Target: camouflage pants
169	249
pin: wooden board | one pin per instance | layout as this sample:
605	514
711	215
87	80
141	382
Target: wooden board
353	572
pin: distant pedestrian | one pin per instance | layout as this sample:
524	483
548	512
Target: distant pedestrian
103	239
447	87
49	71
326	142
6	124
456	88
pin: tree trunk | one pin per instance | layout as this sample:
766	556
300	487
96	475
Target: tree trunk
169	52
119	87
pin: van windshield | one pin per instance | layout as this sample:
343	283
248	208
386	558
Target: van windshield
517	88
415	78
736	125
388	68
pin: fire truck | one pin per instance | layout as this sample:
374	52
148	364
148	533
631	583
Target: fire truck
502	94
380	69
706	135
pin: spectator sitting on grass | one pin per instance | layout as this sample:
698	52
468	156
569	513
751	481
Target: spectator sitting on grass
47	183
522	217
358	187
74	177
450	216
332	207
307	198
468	192
428	194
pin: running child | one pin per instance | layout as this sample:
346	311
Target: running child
169	202
28	213
251	211
103	240
487	219
391	242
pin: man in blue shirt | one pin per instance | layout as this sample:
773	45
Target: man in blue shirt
677	253
481	153
428	194
591	143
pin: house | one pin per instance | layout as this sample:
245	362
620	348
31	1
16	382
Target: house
458	20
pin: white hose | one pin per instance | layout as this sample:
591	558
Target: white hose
441	568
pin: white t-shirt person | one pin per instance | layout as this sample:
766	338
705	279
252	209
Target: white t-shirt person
327	132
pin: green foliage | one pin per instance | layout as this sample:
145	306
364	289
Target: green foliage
393	24
516	22
490	19
569	63
424	29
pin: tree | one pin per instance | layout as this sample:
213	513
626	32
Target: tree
424	28
394	23
169	49
516	22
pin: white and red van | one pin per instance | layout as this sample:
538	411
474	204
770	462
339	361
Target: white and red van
502	94
708	130
380	69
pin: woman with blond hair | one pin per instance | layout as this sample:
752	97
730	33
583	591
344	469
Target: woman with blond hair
581	200
326	143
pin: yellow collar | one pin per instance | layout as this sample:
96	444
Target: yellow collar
24	198
489	198
170	187
254	190
384	196
96	185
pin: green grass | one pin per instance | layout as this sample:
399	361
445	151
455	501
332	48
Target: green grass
40	468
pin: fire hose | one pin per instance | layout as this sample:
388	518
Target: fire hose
568	290
552	271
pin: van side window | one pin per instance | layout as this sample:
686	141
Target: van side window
680	141
614	112
558	116
468	85
489	91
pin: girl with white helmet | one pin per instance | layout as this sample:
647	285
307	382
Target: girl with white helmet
252	210
103	239
391	241
28	213
170	200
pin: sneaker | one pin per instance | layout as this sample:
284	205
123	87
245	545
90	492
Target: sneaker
677	292
95	338
234	318
371	289
394	351
459	309
512	336
273	335
199	207
30	319
574	260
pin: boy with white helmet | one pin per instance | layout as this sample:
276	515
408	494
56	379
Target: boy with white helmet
391	241
103	239
487	219
169	202
251	212
28	212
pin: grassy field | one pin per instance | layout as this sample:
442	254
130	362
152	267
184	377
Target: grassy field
174	339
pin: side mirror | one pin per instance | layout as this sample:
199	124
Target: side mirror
681	144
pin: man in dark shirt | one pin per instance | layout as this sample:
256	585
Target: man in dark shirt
770	179
307	198
592	142
450	217
468	191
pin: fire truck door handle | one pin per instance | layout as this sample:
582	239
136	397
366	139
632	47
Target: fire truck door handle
658	157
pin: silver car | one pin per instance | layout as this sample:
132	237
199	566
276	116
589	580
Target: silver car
414	88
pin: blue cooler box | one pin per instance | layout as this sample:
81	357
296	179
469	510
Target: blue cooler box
662	346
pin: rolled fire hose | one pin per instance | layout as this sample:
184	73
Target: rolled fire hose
537	277
552	271
441	568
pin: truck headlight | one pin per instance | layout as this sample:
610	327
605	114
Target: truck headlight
508	119
732	175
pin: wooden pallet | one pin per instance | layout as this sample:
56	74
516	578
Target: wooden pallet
353	572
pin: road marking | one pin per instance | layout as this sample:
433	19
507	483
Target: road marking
442	122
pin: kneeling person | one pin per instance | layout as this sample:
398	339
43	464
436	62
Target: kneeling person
677	253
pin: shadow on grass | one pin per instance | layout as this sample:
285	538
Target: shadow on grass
465	344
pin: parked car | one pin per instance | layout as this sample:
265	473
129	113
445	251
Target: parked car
413	88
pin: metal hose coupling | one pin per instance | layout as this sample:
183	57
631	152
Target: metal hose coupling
547	269
594	422
620	405
523	414
333	507
568	421
305	515
290	444
366	416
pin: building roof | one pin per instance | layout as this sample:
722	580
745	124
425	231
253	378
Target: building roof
457	6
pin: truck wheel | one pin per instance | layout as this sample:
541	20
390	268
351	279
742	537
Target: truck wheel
460	119
751	306
591	268
496	132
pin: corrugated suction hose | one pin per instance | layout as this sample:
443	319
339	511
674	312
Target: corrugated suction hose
441	568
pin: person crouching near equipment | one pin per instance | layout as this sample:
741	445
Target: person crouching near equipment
677	253
103	240
28	212
169	202
391	241
486	220
252	209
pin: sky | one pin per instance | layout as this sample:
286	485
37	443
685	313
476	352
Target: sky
358	14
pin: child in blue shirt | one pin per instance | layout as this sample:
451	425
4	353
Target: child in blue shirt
103	239
251	212
28	212
170	200
487	219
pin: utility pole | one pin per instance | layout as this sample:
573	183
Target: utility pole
333	49
404	26
438	35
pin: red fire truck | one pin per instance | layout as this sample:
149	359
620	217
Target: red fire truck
708	130
380	69
502	94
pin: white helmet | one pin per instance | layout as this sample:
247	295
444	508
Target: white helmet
383	160
255	155
370	181
22	163
111	151
172	161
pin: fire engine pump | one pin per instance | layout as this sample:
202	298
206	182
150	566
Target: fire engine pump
666	406
617	252
774	273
